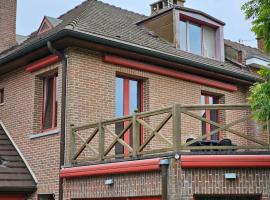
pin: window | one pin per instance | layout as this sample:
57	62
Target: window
46	197
197	39
129	98
212	115
50	102
2	92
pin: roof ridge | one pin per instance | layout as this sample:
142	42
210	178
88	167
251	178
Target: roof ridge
245	45
76	7
75	20
122	9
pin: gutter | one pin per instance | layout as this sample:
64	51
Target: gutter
121	45
63	111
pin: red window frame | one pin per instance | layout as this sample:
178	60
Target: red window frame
208	112
54	104
188	20
2	95
126	106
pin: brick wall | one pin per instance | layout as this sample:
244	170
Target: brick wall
21	113
184	183
91	97
7	24
127	185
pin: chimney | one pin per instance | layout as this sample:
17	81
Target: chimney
260	43
180	2
163	4
8	10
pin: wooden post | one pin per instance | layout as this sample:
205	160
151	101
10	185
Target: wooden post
101	140
135	134
268	132
176	113
72	144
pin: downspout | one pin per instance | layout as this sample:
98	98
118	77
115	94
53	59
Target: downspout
164	178
64	58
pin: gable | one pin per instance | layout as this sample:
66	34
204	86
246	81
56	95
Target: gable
45	26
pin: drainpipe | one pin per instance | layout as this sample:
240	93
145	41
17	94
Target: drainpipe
164	178
64	58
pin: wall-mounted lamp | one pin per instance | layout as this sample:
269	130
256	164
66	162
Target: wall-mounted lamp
230	176
109	182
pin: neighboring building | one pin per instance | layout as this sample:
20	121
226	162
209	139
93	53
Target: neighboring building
253	58
104	103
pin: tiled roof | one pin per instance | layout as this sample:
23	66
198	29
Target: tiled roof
249	51
14	174
107	21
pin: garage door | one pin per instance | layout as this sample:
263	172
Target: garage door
255	197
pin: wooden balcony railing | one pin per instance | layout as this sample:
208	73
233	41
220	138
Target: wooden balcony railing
97	141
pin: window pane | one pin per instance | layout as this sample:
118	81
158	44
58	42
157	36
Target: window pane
133	96
119	97
48	102
56	99
195	39
183	35
2	95
209	42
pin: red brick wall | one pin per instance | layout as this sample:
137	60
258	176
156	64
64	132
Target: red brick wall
184	183
20	113
127	185
91	97
7	24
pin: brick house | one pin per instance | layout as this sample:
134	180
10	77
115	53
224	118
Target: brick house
104	103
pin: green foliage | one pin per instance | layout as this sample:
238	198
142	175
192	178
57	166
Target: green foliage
259	98
259	12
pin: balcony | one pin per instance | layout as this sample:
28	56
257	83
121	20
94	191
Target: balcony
167	131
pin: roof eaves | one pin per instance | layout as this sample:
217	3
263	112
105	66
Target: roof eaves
122	45
200	13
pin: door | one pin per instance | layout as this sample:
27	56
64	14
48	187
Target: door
129	98
212	115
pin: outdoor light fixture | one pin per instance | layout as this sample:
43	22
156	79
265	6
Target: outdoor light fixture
177	156
230	176
109	182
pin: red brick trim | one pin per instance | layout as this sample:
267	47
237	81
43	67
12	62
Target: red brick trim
112	168
225	161
167	72
44	62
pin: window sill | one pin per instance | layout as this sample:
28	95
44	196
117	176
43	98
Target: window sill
2	104
44	134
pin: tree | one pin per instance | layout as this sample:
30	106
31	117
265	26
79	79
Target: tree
259	12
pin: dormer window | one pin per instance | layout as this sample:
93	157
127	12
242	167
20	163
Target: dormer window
198	39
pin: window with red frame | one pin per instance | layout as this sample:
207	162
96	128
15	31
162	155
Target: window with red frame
212	115
50	102
129	98
2	94
198	39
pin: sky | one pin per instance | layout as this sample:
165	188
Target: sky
31	13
